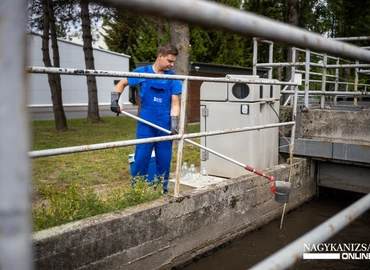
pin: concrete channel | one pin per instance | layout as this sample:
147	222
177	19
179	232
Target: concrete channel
171	231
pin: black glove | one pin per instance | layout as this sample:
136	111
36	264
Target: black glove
114	107
174	125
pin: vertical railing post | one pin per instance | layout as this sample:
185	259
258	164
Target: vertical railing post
271	57
15	229
356	84
336	81
255	51
294	55
180	146
323	82
307	79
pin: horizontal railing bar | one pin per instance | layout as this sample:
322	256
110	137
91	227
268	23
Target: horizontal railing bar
348	66
102	146
292	253
352	38
328	93
104	73
206	13
99	146
315	53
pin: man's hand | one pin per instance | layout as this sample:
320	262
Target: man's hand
174	125
114	107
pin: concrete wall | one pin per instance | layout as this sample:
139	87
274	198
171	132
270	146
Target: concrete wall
349	126
171	231
336	125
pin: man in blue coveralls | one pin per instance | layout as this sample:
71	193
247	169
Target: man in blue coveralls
160	105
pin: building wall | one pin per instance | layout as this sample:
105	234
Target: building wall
74	88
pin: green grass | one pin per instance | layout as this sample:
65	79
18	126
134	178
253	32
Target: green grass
68	187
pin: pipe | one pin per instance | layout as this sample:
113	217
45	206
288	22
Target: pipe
105	73
293	252
206	13
271	178
15	225
102	146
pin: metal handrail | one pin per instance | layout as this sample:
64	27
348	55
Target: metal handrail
292	253
14	225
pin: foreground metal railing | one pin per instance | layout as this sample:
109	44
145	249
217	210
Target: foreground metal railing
15	228
15	247
292	253
181	137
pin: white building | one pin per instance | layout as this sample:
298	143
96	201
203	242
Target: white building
74	88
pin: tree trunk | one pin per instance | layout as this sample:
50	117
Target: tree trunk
161	30
93	105
180	38
179	33
53	79
292	19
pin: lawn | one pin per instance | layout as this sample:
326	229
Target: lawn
64	184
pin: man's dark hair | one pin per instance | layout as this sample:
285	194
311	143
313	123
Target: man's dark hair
166	49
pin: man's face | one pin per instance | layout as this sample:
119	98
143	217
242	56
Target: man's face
166	62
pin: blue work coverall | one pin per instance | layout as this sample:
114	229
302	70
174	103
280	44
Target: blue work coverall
155	95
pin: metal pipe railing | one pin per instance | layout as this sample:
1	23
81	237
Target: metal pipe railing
102	146
106	73
293	252
211	14
15	228
327	93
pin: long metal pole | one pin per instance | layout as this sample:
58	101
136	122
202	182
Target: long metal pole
15	229
106	73
293	252
211	14
102	146
208	149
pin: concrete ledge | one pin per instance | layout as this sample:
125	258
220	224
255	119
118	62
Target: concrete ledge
327	150
171	231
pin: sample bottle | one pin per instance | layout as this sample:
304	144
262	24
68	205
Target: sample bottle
193	173
203	174
184	171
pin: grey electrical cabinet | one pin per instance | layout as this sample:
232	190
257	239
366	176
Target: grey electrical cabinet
236	105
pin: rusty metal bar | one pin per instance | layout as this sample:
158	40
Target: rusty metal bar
105	73
206	13
102	146
15	187
292	253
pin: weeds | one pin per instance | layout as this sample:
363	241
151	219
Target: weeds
75	203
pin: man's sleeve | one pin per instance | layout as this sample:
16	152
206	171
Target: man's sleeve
176	87
136	81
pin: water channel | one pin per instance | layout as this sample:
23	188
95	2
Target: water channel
258	245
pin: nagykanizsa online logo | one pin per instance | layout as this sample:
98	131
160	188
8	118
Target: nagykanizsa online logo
336	251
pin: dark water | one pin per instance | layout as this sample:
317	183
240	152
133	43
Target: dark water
258	245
